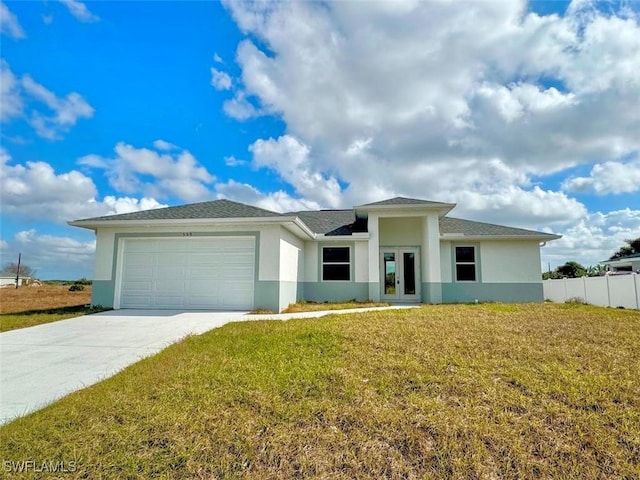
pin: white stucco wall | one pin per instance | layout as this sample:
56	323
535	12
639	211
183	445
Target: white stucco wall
103	259
431	262
510	261
291	256
269	268
401	232
310	262
361	254
446	274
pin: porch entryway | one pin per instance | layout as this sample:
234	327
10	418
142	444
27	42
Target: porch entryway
400	274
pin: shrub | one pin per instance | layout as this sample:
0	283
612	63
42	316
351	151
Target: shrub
76	288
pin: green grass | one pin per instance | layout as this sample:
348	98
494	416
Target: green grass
322	306
13	321
465	391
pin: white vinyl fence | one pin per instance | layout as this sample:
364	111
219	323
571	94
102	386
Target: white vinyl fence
607	291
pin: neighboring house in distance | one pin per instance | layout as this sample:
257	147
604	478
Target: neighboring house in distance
228	255
626	264
8	279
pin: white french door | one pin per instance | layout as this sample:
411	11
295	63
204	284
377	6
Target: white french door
400	274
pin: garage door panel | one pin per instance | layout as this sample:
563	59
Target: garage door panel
211	258
140	259
170	285
137	286
168	271
169	301
212	272
137	301
141	246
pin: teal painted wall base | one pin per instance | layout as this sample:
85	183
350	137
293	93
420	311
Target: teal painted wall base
335	291
431	292
267	295
102	293
492	292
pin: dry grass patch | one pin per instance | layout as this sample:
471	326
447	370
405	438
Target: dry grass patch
29	306
466	391
316	307
23	299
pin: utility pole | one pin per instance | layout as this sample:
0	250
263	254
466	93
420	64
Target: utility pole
18	270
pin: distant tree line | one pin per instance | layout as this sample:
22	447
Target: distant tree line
575	270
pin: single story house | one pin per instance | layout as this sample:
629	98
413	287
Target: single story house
626	264
228	255
8	279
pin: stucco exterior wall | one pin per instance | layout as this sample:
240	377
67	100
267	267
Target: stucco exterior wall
513	261
291	268
310	262
361	254
103	258
400	232
446	272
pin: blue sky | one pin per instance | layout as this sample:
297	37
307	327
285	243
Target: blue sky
525	114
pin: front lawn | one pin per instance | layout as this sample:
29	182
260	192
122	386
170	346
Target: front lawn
322	306
31	318
28	306
463	391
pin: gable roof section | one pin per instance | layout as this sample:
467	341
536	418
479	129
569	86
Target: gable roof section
468	228
332	222
213	209
319	222
403	201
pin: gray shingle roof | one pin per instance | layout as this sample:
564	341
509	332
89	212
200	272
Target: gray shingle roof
470	228
213	209
401	201
633	256
326	222
331	222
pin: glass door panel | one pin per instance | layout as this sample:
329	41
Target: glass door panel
389	273
409	273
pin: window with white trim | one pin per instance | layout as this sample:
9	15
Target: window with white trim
336	264
466	264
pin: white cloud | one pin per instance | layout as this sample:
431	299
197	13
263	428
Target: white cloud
291	159
220	80
163	145
63	114
35	191
80	11
607	178
593	238
9	24
232	161
240	108
66	110
11	103
52	256
438	100
217	58
279	201
159	175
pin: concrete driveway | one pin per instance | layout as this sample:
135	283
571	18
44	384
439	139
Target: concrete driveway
41	364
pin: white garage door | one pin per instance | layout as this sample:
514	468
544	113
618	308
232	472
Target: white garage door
188	273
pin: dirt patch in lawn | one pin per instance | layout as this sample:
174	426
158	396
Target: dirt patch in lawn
45	297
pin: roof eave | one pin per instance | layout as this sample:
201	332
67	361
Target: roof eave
542	237
441	208
93	224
